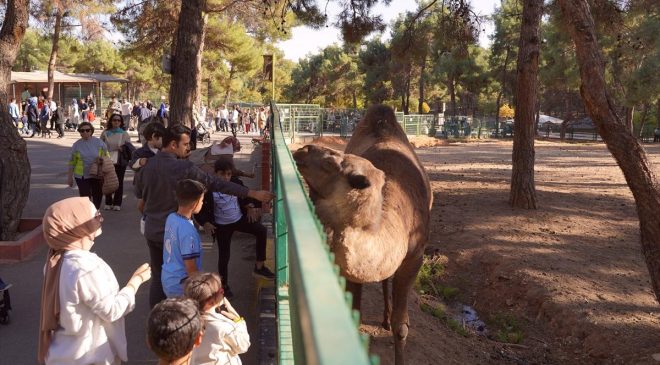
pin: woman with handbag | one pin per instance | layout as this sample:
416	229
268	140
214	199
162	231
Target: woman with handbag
84	153
116	138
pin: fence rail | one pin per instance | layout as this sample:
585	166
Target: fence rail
316	324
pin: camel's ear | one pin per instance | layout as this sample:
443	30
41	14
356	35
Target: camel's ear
358	181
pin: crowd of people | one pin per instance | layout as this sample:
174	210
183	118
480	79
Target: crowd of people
235	119
39	115
192	321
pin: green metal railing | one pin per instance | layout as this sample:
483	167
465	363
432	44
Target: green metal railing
316	324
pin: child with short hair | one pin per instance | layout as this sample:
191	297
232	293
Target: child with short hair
226	335
174	328
224	214
182	248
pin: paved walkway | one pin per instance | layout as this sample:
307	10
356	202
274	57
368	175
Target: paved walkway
122	246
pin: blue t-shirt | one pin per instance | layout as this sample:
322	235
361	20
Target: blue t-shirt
181	242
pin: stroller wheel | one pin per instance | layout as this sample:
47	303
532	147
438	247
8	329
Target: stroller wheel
4	319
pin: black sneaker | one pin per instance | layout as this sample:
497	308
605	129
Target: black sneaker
263	273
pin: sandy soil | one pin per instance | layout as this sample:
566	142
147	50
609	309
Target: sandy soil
571	273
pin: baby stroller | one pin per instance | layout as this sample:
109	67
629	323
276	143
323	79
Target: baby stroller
5	302
69	125
203	134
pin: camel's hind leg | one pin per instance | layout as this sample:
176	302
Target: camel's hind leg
403	281
387	305
356	290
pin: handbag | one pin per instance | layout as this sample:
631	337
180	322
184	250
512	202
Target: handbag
103	169
125	154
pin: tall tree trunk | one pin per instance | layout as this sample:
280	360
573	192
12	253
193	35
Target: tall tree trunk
208	92
568	116
406	104
189	47
422	81
523	192
228	89
657	113
452	96
53	52
497	112
630	113
642	123
625	148
14	163
198	77
354	99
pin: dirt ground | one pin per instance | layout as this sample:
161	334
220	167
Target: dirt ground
570	275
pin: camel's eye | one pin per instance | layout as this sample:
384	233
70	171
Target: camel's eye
358	181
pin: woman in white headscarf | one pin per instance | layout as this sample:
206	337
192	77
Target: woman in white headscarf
82	306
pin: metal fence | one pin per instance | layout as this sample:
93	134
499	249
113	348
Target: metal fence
299	120
316	324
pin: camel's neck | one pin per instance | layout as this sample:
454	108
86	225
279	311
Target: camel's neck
355	209
372	250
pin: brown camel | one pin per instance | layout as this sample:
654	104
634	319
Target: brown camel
374	202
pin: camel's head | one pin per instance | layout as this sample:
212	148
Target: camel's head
343	187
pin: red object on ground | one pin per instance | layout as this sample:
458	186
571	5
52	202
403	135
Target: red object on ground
27	244
265	166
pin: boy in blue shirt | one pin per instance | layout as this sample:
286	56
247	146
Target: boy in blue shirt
182	249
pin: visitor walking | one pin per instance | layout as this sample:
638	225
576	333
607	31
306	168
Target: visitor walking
83	153
74	114
126	109
117	140
233	120
44	117
32	114
84	111
53	108
13	112
59	122
224	117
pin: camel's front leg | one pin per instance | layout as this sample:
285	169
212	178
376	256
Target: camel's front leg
387	305
403	281
356	290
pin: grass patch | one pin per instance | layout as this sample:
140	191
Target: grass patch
427	281
506	328
438	311
457	327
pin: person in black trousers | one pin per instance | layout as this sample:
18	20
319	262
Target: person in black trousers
223	214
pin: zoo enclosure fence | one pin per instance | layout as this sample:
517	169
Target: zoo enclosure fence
310	120
316	324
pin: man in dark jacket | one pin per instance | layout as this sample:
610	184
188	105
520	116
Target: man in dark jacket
32	116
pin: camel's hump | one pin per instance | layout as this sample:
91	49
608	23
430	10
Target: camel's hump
379	122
